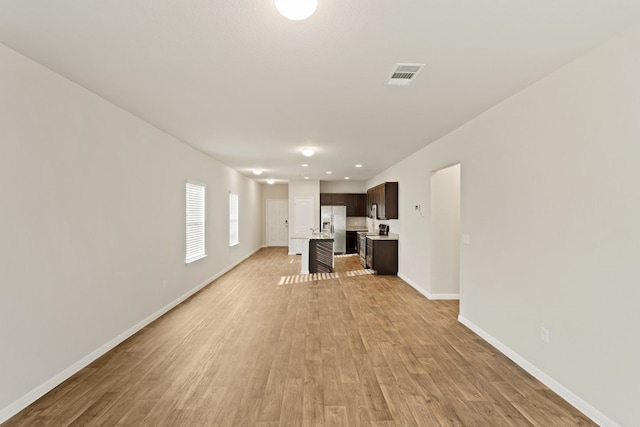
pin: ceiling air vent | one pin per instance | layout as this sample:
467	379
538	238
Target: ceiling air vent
404	74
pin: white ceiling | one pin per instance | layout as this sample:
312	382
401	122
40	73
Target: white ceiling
249	87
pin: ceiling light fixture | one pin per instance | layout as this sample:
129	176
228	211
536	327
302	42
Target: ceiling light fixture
271	181
296	10
304	165
358	166
329	172
257	171
346	177
308	152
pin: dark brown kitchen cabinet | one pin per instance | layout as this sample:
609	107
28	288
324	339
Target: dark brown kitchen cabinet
320	255
382	256
350	203
338	199
352	242
385	197
360	208
326	199
356	203
332	199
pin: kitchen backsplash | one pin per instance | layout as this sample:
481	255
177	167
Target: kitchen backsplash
356	221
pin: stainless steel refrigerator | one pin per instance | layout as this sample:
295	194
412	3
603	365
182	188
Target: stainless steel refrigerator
333	219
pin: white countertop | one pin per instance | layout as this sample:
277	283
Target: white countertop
323	236
391	236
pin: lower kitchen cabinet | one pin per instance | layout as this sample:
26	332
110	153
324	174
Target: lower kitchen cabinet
352	242
382	255
320	255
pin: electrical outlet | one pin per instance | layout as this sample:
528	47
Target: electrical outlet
544	335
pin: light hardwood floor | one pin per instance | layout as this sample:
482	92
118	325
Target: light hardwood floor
259	348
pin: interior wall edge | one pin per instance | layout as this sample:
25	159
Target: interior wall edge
427	294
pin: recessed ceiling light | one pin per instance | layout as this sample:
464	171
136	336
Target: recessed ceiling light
346	177
306	177
329	172
358	166
304	165
308	152
296	10
271	181
257	171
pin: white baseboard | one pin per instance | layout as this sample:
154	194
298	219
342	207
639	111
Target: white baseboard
427	294
588	410
35	394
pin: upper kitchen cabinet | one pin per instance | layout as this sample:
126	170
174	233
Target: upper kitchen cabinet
339	199
385	197
332	199
356	203
326	199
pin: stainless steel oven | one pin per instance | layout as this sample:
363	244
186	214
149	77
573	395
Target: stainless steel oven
383	230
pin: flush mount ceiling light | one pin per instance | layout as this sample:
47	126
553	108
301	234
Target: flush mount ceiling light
257	171
308	152
271	181
296	10
358	166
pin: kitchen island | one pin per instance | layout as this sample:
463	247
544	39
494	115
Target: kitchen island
317	253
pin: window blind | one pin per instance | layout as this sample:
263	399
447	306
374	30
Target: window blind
195	222
234	219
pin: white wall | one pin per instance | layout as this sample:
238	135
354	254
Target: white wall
91	223
343	187
445	233
550	199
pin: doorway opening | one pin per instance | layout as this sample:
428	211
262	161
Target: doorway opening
445	233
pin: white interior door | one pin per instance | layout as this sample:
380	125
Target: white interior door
277	222
303	215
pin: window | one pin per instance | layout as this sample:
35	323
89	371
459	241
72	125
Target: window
195	222
234	219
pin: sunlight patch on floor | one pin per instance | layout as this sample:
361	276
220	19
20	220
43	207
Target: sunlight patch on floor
304	278
353	273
